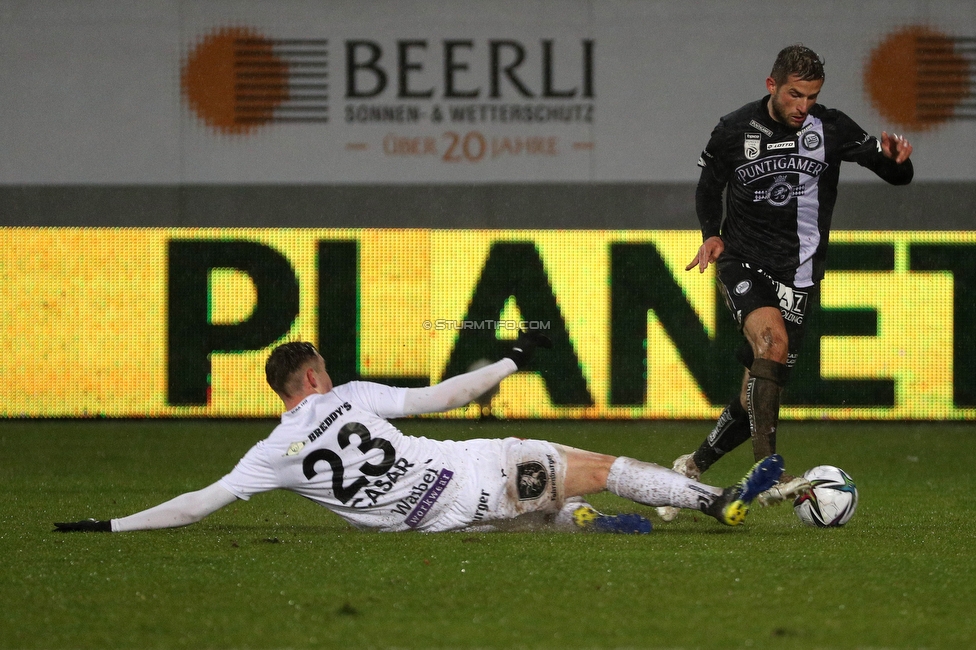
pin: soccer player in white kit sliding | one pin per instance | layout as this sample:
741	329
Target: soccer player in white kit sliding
336	447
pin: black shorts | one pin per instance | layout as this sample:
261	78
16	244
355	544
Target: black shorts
747	288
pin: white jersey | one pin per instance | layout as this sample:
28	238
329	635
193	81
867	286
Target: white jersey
339	450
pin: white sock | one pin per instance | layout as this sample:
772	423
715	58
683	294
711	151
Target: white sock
653	485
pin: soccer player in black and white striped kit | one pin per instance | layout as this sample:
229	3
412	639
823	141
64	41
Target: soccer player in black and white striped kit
778	161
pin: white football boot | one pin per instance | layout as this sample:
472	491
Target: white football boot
684	465
781	492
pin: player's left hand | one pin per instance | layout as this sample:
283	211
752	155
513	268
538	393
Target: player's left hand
894	146
85	526
525	347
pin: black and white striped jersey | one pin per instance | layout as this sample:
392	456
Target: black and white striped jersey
781	185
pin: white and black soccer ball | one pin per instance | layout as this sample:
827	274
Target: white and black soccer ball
832	501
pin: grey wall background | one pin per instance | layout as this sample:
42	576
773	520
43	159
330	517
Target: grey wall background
860	206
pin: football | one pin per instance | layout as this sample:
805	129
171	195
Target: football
832	501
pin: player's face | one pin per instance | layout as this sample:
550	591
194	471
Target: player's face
790	101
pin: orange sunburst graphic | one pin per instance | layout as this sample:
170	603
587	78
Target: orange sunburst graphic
919	78
237	80
209	79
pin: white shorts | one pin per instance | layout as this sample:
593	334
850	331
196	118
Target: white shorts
504	480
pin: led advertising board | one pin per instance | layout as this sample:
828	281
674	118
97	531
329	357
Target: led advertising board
174	322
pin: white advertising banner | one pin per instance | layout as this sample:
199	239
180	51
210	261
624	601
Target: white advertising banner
412	92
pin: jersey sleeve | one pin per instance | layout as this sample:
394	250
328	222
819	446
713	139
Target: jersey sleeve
856	145
715	171
252	475
183	510
384	401
458	390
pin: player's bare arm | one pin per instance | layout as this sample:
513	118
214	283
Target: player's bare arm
894	146
710	250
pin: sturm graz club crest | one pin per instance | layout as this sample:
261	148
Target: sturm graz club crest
751	145
811	140
532	479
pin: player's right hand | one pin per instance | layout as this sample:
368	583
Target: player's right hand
708	252
85	526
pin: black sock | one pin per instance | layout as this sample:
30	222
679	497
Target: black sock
764	415
731	430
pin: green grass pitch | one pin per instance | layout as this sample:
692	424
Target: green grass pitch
279	572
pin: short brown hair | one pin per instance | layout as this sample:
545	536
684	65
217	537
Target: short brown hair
797	60
284	361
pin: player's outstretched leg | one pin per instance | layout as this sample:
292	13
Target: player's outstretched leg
684	465
732	506
731	430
